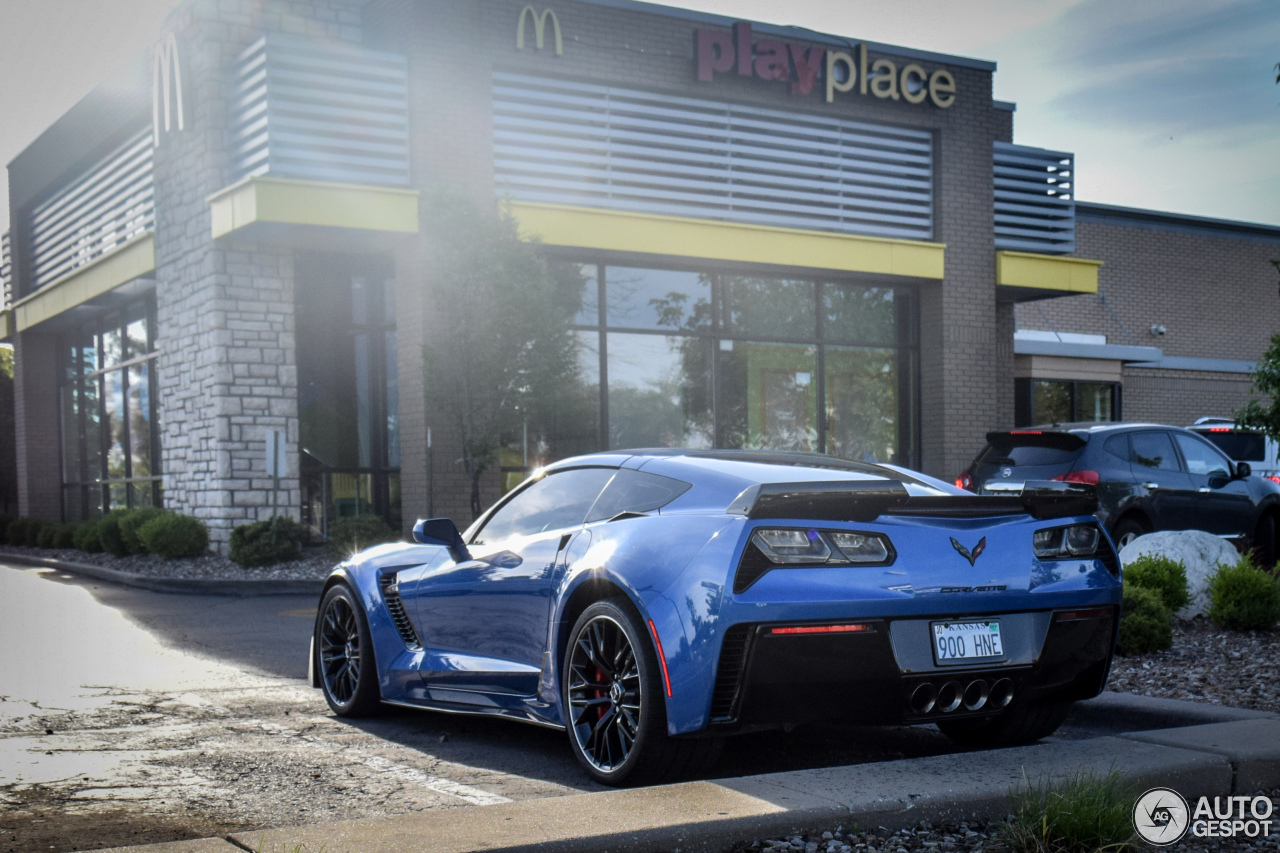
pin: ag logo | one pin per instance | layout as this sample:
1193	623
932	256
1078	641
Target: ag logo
1161	816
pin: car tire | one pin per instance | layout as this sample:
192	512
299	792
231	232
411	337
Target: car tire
1126	530
1264	541
344	658
1020	723
617	720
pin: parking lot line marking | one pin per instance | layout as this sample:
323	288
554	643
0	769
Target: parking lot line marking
402	773
300	612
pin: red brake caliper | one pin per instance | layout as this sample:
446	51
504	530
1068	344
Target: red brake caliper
600	694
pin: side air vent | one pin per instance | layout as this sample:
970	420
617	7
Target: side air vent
725	699
391	595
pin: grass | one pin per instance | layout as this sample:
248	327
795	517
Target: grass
1085	812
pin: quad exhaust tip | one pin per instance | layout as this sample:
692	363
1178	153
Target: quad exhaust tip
952	695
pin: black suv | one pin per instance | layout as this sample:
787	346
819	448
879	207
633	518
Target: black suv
1149	477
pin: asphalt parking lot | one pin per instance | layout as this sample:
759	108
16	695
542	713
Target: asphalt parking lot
129	716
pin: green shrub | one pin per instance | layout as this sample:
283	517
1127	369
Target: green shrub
1146	624
131	522
265	543
48	531
1165	576
1243	597
34	528
17	532
172	535
86	537
64	538
348	536
109	533
1084	813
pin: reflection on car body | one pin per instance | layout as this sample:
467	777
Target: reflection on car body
655	602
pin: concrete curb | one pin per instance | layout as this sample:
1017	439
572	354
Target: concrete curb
182	586
713	816
1148	712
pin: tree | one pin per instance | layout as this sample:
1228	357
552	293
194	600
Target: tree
8	444
499	349
1266	383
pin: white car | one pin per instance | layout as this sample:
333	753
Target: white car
1242	445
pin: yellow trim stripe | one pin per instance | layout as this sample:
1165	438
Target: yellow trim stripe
620	231
1047	272
291	202
132	260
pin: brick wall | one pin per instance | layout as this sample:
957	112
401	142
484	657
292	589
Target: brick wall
35	420
1214	294
227	366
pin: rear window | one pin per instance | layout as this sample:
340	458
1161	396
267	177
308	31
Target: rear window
1014	451
1248	446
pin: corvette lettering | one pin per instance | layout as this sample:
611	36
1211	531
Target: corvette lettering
718	52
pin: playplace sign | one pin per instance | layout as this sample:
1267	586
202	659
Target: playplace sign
718	52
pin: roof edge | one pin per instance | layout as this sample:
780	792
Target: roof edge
1136	217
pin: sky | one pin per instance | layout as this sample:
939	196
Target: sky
1167	104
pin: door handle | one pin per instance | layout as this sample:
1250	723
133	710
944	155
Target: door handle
1151	485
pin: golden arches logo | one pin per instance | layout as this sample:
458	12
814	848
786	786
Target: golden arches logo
539	28
166	79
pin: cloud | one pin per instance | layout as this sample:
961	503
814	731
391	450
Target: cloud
1169	69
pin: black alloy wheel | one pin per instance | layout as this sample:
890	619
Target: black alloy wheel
1127	530
614	703
344	655
606	693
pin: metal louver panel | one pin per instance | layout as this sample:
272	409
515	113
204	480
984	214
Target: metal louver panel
395	607
1035	199
6	272
574	143
320	112
108	205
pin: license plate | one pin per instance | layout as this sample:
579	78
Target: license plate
960	642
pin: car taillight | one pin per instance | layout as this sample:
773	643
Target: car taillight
964	481
1273	478
1219	429
1090	477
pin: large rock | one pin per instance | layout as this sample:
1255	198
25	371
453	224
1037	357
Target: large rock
1199	552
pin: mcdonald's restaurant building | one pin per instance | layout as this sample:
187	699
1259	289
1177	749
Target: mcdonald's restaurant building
786	239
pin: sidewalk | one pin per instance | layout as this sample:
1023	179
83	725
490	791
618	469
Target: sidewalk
1218	758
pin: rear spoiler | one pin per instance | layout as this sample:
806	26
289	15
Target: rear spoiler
867	500
1038	438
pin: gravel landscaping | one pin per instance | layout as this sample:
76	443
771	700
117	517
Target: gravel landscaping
315	564
1207	664
971	837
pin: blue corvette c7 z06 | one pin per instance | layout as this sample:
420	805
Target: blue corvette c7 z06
652	602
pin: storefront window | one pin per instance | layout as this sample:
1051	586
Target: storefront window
706	358
348	389
109	432
1060	401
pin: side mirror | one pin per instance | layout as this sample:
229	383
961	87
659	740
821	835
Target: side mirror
441	531
1243	470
